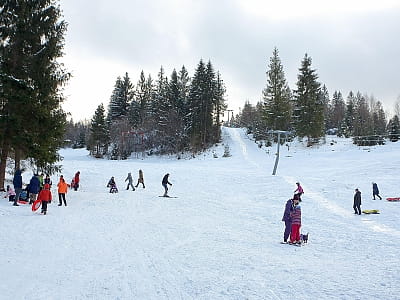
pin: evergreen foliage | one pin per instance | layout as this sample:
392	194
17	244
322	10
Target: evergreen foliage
31	81
99	135
277	96
309	105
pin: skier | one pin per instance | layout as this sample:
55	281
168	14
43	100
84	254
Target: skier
45	197
357	202
375	191
62	190
299	191
164	183
129	179
140	179
288	219
296	223
17	182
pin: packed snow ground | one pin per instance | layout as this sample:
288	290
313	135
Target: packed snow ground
220	238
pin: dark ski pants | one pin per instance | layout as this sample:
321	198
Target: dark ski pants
61	198
288	229
130	184
357	209
44	207
18	192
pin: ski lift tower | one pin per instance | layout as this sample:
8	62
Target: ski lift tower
279	132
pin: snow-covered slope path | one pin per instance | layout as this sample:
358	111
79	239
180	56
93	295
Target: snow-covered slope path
219	239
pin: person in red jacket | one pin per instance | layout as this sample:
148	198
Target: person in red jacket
45	197
296	222
76	181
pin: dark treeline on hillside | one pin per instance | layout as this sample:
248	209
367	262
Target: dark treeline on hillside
309	112
161	116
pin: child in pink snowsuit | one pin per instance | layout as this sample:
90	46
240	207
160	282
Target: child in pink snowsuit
296	223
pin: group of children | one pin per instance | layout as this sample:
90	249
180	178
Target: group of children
292	217
113	186
39	188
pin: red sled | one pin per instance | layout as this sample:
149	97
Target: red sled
393	199
36	205
22	202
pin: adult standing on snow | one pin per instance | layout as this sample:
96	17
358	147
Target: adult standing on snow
375	191
287	219
34	188
130	180
165	183
62	191
17	182
76	181
298	191
357	202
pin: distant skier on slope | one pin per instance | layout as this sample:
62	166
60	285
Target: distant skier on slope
299	191
165	183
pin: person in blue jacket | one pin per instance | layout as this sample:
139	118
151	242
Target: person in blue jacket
34	188
17	182
287	218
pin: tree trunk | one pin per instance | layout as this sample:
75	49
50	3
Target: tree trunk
3	163
17	159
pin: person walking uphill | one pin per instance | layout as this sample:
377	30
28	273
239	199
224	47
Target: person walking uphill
45	197
357	202
287	219
17	182
375	191
165	183
130	180
62	191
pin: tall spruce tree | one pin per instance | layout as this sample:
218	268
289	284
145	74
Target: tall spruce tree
394	129
309	106
120	99
277	96
99	135
338	110
31	81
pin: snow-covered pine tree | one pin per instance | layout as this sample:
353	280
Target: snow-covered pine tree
120	99
99	135
277	108
32	39
308	102
327	106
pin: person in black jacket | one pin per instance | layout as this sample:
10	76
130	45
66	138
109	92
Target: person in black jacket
357	202
375	191
165	183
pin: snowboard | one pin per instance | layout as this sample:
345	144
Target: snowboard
371	211
393	199
36	205
168	196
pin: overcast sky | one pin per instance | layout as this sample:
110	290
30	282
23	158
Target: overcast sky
354	45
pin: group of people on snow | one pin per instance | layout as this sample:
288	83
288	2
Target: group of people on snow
292	212
39	188
113	186
292	217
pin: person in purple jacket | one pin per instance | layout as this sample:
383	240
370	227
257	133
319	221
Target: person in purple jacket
288	219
